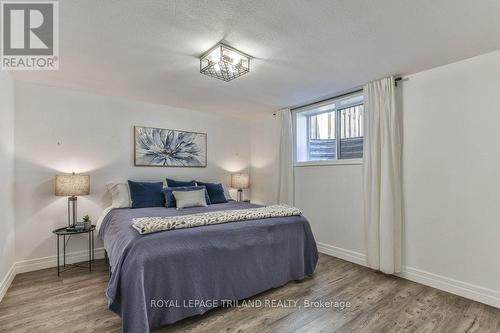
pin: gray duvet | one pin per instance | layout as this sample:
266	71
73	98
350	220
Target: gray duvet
162	277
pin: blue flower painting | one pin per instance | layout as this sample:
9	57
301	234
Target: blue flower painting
169	148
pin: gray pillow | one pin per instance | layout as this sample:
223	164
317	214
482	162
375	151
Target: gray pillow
186	199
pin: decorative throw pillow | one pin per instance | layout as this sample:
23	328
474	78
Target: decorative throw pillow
215	192
146	194
226	193
186	199
170	199
179	183
120	195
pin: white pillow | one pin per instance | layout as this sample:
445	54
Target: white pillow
186	199
226	192
120	195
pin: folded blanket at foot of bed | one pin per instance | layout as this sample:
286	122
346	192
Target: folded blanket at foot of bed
146	225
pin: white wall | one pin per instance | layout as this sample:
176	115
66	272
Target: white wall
265	134
330	198
60	131
451	171
7	238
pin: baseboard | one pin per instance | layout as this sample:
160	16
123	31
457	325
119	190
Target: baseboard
453	286
7	280
42	263
334	251
460	288
51	261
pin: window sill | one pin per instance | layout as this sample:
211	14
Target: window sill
352	161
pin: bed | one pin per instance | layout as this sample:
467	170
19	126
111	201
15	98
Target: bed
162	277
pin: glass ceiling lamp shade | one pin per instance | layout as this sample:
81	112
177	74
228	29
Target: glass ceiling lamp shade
240	181
224	62
72	186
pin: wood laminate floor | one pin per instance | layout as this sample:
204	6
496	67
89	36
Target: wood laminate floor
40	302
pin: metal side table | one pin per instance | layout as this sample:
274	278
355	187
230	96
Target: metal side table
62	233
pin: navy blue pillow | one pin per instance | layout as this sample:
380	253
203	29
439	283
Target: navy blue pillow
180	183
146	194
170	199
215	192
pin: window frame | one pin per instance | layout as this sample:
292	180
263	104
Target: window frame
337	109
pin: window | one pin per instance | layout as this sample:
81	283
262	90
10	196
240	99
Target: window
331	130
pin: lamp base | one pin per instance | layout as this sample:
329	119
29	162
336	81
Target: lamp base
72	204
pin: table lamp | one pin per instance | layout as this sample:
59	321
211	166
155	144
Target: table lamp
240	181
72	186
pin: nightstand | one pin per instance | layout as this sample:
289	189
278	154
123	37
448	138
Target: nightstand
62	232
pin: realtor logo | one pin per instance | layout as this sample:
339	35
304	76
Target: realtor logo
30	35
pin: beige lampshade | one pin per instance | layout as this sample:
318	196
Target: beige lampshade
240	180
72	185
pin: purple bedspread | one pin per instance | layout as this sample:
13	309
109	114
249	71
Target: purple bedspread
157	277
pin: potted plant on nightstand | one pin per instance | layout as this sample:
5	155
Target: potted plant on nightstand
86	222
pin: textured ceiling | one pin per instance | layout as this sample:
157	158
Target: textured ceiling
303	49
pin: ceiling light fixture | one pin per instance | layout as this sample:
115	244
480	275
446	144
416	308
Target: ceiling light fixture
224	62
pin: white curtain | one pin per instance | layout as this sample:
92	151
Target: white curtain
285	179
382	177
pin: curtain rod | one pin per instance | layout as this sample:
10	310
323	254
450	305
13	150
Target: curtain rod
396	80
328	99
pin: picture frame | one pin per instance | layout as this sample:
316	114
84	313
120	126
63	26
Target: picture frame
162	147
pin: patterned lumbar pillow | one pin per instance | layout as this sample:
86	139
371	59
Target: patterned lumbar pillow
186	199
